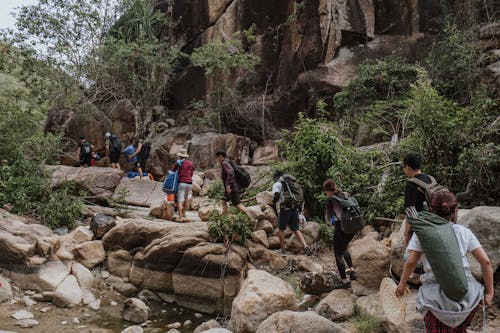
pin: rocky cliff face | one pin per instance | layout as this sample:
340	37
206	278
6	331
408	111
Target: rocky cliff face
308	50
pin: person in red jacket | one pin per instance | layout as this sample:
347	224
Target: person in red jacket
186	170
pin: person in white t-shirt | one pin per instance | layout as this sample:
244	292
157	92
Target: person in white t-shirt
442	314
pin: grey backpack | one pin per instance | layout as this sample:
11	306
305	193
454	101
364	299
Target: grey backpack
351	220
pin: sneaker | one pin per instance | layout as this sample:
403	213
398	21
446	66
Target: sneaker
308	250
281	252
352	276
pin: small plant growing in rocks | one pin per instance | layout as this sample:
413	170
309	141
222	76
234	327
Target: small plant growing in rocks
229	228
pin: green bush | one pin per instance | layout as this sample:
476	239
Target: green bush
364	322
233	227
216	190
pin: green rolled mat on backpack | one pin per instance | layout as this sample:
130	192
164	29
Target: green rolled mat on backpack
440	245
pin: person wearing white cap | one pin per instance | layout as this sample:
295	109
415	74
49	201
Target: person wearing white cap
185	170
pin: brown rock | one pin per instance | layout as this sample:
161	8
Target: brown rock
311	235
371	261
298	322
162	209
318	283
265	154
338	305
90	254
260	236
101	224
119	263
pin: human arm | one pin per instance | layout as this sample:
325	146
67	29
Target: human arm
487	271
79	151
408	269
230	176
137	150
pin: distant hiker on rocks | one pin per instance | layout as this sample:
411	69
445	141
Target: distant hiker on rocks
113	149
450	304
185	170
141	151
231	186
414	194
84	152
288	194
340	239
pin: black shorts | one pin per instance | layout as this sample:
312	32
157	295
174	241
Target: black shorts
288	217
114	156
234	197
86	160
141	162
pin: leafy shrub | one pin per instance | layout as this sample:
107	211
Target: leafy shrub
216	190
365	322
232	227
326	233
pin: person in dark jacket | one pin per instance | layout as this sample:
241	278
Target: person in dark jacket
232	188
340	239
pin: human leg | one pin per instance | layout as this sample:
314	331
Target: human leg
339	247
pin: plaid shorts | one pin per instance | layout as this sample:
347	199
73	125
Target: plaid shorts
433	325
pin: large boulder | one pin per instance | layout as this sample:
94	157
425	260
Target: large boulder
262	255
101	224
482	221
311	233
90	254
100	182
318	283
134	233
261	295
212	323
298	322
398	249
138	192
265	154
337	305
21	240
5	290
119	263
44	277
209	277
371	259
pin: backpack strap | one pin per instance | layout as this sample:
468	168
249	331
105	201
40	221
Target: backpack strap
421	183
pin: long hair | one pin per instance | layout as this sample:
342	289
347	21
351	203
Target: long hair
445	205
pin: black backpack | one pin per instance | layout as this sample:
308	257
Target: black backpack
115	143
242	176
145	150
86	148
293	196
429	189
351	220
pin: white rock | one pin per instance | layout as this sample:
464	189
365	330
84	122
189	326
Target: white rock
187	323
28	301
113	303
76	320
174	325
64	322
27	323
83	275
5	290
198	315
22	314
95	305
68	293
133	329
45	309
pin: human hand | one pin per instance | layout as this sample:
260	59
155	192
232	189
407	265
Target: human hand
400	290
228	189
488	299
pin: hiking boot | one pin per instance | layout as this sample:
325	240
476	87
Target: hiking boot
308	250
352	276
281	252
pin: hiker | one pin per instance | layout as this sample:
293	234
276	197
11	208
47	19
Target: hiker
185	170
340	239
113	149
414	195
231	187
84	152
442	314
141	151
287	192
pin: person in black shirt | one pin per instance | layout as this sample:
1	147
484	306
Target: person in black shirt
84	152
414	195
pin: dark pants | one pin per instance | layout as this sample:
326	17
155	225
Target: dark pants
288	217
340	242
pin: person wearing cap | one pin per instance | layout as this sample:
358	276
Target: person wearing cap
113	149
185	170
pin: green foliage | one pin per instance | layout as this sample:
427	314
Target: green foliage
226	63
233	227
326	233
454	64
216	190
365	322
120	205
378	91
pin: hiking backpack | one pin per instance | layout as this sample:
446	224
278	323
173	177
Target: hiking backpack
440	245
86	148
351	220
115	143
242	176
428	189
293	197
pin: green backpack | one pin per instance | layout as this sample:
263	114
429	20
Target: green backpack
293	197
440	245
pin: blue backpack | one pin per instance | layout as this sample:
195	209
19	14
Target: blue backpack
171	183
